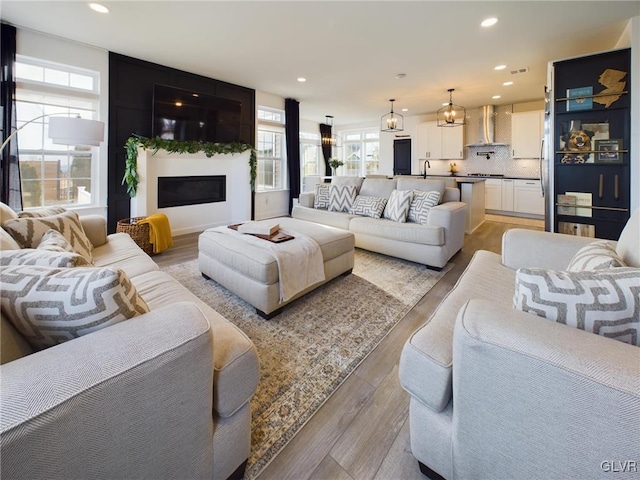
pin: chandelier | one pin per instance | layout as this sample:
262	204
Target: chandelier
392	122
451	115
330	139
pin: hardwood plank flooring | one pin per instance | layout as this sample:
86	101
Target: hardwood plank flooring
362	431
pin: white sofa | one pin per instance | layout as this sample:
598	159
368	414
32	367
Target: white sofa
499	393
162	395
432	244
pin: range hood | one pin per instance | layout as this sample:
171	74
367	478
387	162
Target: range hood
486	128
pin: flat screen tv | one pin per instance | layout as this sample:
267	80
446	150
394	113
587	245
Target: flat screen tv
193	116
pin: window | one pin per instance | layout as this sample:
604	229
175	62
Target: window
271	168
310	154
54	174
361	152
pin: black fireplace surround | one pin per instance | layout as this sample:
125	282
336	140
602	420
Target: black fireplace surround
194	190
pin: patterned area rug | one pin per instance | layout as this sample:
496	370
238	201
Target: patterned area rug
308	350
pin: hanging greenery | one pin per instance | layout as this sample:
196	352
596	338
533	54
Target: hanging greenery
210	149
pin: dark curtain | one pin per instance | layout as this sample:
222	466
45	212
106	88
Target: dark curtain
10	191
292	135
325	132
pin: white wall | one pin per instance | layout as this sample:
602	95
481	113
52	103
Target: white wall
38	45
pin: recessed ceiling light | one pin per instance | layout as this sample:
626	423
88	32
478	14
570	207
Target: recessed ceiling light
495	97
405	109
500	67
97	7
445	104
507	84
302	79
401	76
489	22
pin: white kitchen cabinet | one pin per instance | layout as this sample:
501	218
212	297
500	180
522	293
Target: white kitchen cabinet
493	194
507	195
527	129
439	143
527	197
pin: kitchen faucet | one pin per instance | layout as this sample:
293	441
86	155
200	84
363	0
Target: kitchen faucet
425	165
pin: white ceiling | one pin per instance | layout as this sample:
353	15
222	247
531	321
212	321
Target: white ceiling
350	52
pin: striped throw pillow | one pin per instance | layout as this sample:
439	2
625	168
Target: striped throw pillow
605	302
597	255
398	205
52	305
341	197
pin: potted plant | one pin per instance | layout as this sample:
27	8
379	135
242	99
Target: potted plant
334	163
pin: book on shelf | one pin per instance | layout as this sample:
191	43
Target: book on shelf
261	227
583	199
566	205
580	98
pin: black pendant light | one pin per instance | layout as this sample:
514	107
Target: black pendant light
451	115
392	122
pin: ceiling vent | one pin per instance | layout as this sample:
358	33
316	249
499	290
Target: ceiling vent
519	71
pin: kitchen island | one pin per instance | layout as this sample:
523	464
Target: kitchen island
472	193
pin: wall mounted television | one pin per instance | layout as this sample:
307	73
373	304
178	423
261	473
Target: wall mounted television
180	114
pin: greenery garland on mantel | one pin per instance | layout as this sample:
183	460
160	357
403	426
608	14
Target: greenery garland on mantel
175	146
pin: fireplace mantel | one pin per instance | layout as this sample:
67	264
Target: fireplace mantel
194	218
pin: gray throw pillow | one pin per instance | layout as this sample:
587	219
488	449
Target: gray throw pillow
341	197
321	199
368	206
597	255
398	205
421	204
605	302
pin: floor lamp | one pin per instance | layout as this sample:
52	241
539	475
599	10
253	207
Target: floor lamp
68	130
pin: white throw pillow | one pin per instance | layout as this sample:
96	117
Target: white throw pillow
398	205
368	206
52	305
321	199
597	255
28	232
341	197
421	204
606	302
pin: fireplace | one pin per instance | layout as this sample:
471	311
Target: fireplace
191	190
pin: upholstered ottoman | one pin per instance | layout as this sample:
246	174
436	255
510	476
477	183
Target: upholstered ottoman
250	270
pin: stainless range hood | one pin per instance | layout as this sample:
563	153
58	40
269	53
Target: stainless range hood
486	128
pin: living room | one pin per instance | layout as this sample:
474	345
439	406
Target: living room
322	445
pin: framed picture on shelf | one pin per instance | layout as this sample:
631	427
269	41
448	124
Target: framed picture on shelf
608	151
577	140
580	98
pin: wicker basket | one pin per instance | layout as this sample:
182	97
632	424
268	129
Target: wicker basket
139	232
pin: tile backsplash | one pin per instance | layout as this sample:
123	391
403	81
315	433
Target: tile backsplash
500	161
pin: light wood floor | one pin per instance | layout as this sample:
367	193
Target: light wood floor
362	431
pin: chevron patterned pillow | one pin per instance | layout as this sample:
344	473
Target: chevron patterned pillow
41	212
341	197
398	205
28	232
43	258
368	206
421	204
52	305
605	302
598	255
321	200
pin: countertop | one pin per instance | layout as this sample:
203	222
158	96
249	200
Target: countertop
456	177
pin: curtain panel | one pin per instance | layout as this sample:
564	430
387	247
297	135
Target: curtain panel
325	132
10	189
292	135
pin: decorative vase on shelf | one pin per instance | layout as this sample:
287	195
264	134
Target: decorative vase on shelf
333	172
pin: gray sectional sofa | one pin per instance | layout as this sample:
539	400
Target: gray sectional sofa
164	394
432	243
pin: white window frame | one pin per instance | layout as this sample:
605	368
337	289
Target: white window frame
65	99
363	141
272	120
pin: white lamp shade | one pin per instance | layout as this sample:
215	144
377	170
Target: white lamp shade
75	131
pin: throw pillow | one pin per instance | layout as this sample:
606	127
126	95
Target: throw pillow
341	197
321	199
606	302
40	257
6	241
398	205
41	212
597	255
28	232
421	204
368	206
52	305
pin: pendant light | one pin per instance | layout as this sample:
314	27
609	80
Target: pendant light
330	139
451	115
392	122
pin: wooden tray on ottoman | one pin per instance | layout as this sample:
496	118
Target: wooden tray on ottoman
277	237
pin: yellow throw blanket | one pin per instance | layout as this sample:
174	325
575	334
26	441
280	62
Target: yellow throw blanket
159	231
